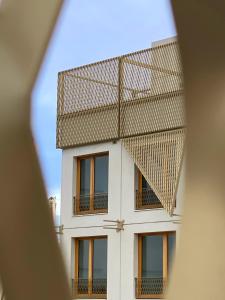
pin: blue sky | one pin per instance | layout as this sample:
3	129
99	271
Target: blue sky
88	31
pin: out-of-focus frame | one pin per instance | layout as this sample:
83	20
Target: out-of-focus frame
199	271
30	261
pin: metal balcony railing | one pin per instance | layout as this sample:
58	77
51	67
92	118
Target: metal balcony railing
151	287
91	203
84	288
147	199
130	95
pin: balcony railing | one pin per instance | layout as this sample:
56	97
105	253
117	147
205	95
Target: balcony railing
151	287
84	288
135	94
91	203
147	199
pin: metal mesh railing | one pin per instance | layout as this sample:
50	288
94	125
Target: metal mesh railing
149	286
91	203
134	94
101	201
84	288
147	199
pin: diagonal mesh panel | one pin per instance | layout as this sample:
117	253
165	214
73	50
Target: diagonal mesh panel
152	97
134	94
158	156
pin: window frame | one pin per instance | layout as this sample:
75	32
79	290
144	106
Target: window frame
165	235
140	192
90	264
76	209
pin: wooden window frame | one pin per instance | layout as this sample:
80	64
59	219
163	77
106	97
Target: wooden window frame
141	206
165	235
91	210
90	265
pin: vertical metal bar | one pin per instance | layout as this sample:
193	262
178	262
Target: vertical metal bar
120	93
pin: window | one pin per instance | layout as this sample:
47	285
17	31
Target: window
155	255
145	196
92	184
90	267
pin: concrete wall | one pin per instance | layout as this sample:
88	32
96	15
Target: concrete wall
122	246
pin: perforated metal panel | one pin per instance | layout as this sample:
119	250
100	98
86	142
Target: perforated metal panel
158	156
151	83
125	96
88	104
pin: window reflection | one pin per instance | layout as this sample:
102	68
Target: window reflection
85	176
152	256
101	174
100	259
171	249
83	259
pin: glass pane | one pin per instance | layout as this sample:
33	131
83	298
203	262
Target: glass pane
100	267
152	265
152	256
145	184
85	165
101	174
100	259
148	195
171	249
101	182
83	259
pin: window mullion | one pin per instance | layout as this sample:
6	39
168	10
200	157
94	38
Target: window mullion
90	267
139	279
76	271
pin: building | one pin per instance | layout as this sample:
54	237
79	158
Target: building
120	123
52	207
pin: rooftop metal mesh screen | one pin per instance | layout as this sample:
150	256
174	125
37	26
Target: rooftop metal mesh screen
131	95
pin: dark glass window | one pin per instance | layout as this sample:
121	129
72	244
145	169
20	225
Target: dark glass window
100	259
152	256
145	184
90	267
155	257
101	174
92	184
83	259
85	166
171	249
145	196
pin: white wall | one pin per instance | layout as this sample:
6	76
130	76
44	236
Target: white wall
122	247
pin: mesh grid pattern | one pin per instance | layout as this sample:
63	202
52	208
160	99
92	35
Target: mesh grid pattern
125	96
88	104
158	156
149	286
85	288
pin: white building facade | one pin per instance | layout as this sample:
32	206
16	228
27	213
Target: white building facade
121	195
